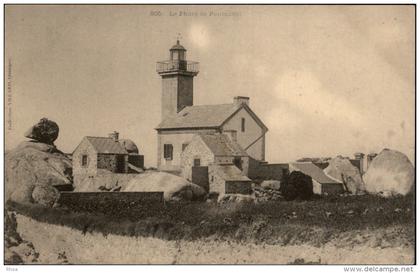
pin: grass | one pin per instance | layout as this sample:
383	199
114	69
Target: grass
314	222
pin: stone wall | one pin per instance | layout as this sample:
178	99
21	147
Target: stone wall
332	189
261	171
200	176
84	148
109	202
177	138
196	149
112	162
216	182
241	187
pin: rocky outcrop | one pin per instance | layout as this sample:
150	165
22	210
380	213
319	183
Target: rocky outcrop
45	131
389	173
341	169
34	169
17	250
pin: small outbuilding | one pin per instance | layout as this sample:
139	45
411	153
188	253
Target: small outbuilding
322	183
109	154
217	163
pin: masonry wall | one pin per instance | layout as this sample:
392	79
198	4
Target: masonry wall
81	172
177	92
176	138
112	162
316	187
216	181
252	132
195	150
332	189
238	187
268	171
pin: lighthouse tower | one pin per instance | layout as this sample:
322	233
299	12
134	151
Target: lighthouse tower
177	81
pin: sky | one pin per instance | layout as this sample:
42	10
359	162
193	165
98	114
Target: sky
326	80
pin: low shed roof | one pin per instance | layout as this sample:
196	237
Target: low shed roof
232	173
315	172
221	145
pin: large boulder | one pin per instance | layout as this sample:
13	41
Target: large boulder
33	170
45	195
341	169
389	173
45	131
174	188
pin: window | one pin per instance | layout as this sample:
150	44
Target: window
242	125
168	151
84	160
184	146
197	162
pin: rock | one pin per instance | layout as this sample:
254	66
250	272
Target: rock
390	173
26	252
34	164
341	169
45	131
174	188
12	237
129	146
11	257
236	198
271	184
45	195
17	250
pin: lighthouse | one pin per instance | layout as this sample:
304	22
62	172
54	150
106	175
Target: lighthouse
177	81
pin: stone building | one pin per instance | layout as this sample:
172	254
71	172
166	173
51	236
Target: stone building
181	120
106	154
322	183
217	163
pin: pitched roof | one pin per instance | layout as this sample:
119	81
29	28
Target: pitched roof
202	116
221	145
231	173
205	116
315	172
106	145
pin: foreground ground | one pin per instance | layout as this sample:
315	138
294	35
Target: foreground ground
334	230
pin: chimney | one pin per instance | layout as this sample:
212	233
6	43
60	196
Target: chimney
231	134
114	135
360	157
238	100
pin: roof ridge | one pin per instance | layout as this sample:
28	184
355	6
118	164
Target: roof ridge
98	137
210	104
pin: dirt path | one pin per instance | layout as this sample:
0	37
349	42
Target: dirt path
58	243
